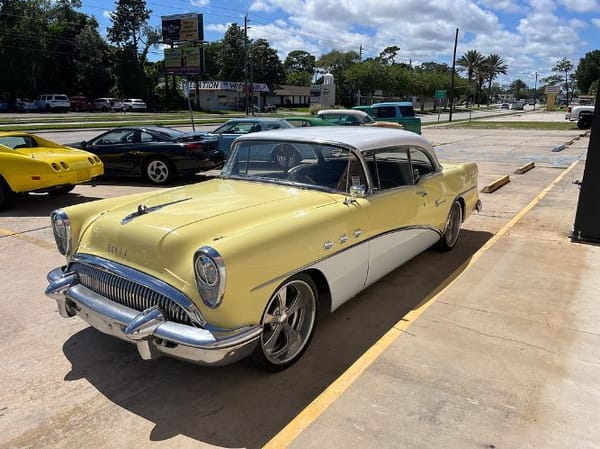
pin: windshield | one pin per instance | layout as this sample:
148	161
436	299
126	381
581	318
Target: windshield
307	165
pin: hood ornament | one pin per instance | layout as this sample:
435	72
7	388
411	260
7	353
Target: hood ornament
142	209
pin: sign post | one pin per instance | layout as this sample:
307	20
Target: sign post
439	94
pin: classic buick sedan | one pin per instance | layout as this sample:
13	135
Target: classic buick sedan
244	264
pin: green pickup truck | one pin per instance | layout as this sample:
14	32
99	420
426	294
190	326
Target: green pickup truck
394	111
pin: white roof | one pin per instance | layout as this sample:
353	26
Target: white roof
362	138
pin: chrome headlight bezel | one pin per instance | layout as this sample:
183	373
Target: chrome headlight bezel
61	228
209	270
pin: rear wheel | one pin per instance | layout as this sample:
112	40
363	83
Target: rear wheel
288	324
158	171
452	230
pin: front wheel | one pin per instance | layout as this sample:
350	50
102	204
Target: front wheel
158	171
452	229
288	324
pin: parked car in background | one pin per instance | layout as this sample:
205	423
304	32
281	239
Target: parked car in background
81	104
134	105
244	265
107	104
518	105
30	163
25	105
504	106
303	121
235	127
53	103
582	113
3	106
354	117
154	152
394	111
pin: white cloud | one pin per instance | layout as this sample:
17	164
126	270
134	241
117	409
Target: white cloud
581	5
425	29
199	3
106	14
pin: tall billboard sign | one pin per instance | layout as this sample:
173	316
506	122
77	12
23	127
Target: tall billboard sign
182	28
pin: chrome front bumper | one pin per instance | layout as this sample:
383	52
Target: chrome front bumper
149	330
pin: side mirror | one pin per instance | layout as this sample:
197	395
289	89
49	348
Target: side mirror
358	191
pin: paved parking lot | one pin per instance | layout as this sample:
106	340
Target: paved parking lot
491	345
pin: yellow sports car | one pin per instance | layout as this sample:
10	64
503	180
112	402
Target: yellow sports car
299	221
29	163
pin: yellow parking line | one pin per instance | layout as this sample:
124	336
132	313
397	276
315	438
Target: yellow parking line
27	238
318	406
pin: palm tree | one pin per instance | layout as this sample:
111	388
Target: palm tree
471	61
494	66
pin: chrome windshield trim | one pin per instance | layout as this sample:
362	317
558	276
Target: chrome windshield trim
145	280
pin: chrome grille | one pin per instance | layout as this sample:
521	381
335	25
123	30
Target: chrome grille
128	293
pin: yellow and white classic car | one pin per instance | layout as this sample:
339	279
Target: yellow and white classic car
30	163
299	221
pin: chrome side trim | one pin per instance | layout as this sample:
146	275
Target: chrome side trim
284	276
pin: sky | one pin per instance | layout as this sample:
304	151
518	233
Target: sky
531	35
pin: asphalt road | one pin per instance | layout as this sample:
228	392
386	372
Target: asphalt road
64	385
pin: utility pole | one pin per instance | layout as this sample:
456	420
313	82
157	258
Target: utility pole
452	81
535	91
246	99
359	60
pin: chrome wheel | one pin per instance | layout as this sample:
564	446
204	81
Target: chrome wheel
288	324
452	230
158	171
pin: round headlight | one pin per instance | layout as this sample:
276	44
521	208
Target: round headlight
207	270
61	227
210	275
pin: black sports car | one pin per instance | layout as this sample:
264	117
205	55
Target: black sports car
154	152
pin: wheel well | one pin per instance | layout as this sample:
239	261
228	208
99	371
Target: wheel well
323	290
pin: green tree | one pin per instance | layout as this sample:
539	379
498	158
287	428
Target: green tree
388	55
519	89
335	62
133	37
470	62
299	66
265	65
494	66
231	60
564	66
588	71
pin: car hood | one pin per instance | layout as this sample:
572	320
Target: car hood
147	231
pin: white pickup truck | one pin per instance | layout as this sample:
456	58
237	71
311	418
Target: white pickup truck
582	114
